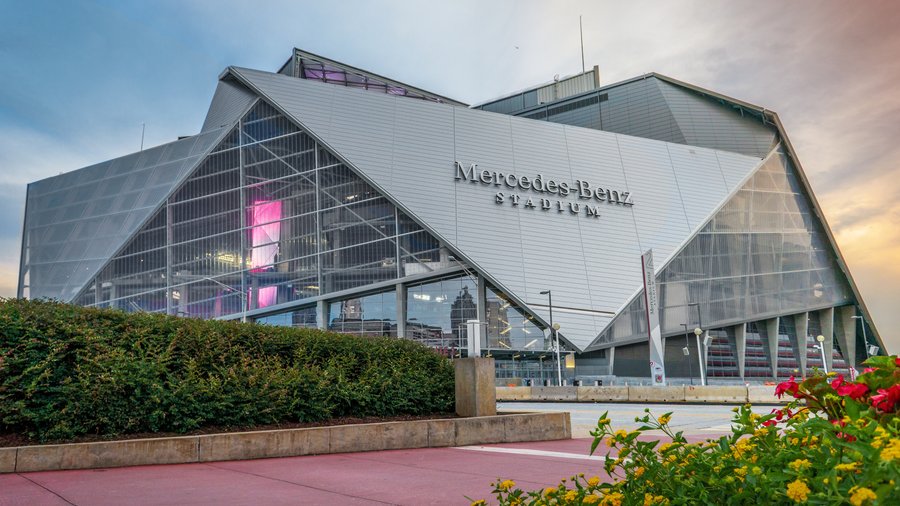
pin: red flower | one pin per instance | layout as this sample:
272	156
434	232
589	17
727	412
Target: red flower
855	391
837	381
869	369
769	423
897	361
887	398
789	386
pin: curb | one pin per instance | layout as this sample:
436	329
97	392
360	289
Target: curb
507	428
644	394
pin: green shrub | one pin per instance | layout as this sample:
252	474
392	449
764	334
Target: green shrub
67	371
837	442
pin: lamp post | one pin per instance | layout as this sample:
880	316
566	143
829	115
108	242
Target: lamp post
697	333
821	340
687	352
554	328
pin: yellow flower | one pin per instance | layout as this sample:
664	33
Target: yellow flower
603	421
663	448
613	499
741	471
740	447
610	441
479	502
892	450
571	495
506	485
860	495
756	471
761	432
664	419
591	499
593	481
650	499
850	466
797	491
639	471
800	465
621	433
549	491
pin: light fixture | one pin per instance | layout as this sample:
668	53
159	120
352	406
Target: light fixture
531	343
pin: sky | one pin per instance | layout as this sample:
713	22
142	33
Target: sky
80	78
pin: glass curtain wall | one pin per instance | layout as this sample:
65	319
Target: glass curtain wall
368	315
270	217
508	327
762	254
437	311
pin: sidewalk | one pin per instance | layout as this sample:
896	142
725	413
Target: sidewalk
413	477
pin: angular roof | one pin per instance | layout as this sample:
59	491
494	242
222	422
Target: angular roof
75	222
407	150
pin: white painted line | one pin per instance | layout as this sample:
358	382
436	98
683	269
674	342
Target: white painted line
537	453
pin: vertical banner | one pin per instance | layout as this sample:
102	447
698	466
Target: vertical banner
651	302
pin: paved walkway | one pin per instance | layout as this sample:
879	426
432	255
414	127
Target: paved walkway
413	477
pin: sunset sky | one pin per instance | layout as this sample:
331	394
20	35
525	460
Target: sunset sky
80	78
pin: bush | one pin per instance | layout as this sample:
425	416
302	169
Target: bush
837	442
66	371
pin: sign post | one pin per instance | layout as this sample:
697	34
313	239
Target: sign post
651	302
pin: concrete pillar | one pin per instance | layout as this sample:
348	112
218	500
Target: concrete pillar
401	310
826	321
740	343
322	315
476	394
611	353
480	300
801	326
845	330
772	336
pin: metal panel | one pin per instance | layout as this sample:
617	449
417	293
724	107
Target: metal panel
77	220
593	258
228	103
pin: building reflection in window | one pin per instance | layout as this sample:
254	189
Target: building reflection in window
369	315
436	312
508	327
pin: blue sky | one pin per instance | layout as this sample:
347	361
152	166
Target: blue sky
80	77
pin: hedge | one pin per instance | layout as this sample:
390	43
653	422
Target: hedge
67	371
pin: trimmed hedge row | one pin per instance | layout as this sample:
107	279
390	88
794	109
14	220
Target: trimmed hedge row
66	371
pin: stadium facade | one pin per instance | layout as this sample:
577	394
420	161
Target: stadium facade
323	195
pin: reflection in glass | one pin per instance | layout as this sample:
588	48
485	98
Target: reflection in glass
369	315
508	327
437	312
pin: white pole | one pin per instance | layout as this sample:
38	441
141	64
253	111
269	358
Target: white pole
700	358
558	364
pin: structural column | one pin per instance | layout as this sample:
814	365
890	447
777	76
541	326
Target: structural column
772	337
826	320
801	327
401	310
846	333
321	315
740	343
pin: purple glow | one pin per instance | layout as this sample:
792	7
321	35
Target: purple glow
267	296
265	233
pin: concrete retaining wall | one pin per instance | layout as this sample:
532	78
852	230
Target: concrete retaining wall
509	428
694	394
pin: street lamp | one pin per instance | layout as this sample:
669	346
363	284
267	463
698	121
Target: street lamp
687	352
821	340
697	333
555	332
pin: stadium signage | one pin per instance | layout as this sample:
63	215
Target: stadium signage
547	188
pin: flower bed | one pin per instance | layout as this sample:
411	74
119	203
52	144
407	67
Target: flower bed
837	442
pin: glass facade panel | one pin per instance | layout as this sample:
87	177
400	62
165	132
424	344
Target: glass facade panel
368	315
303	317
437	312
268	218
760	255
508	327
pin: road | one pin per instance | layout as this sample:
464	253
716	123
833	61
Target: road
697	419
